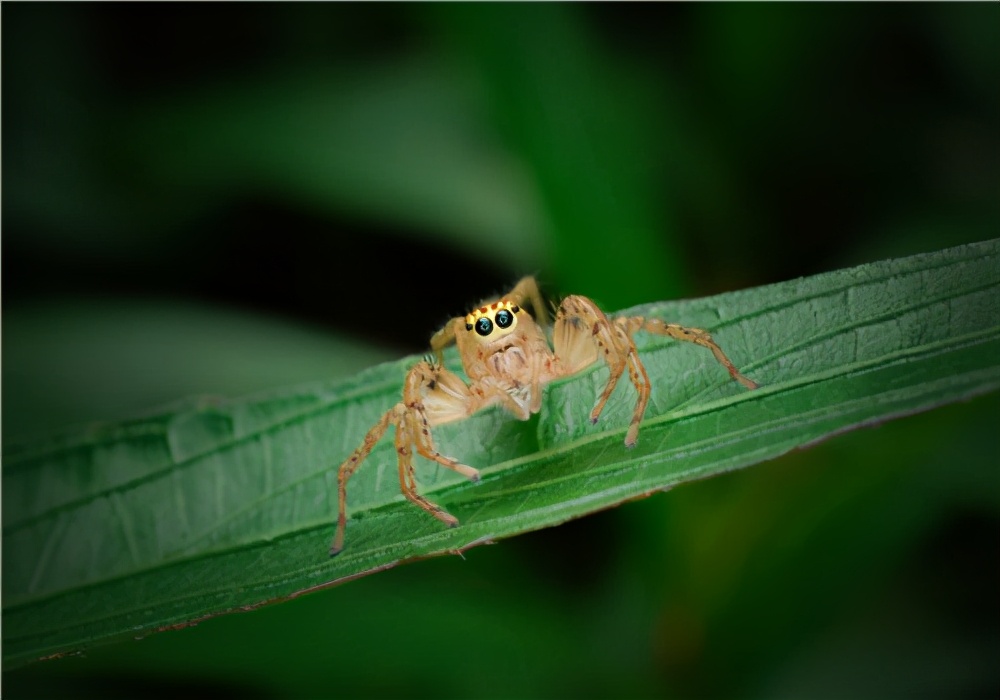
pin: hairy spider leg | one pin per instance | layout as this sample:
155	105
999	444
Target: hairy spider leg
443	393
637	373
526	292
582	334
412	428
691	335
407	479
428	389
351	465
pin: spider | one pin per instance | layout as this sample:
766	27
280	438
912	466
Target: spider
508	359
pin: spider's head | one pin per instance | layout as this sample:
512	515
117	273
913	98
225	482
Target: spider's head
489	323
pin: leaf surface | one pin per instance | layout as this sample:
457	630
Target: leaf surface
227	505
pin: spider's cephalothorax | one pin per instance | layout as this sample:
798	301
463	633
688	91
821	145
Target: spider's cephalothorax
493	321
508	359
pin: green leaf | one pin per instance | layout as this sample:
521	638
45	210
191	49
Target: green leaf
221	506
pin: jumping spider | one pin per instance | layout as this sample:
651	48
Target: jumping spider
507	358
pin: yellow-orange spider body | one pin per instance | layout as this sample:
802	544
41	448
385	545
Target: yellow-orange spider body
508	360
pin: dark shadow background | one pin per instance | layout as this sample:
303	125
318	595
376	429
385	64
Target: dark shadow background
220	198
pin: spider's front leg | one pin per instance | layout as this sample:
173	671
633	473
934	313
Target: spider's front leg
431	395
583	333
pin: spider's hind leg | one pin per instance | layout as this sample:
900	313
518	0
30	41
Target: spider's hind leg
692	335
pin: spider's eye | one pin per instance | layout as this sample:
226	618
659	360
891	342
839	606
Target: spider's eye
484	326
504	318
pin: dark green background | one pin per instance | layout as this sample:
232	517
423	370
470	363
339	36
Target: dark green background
227	198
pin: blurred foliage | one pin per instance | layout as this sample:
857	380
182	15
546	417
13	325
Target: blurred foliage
214	174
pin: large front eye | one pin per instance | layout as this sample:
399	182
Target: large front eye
504	318
484	326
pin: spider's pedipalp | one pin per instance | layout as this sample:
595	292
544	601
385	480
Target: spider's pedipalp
445	398
573	339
